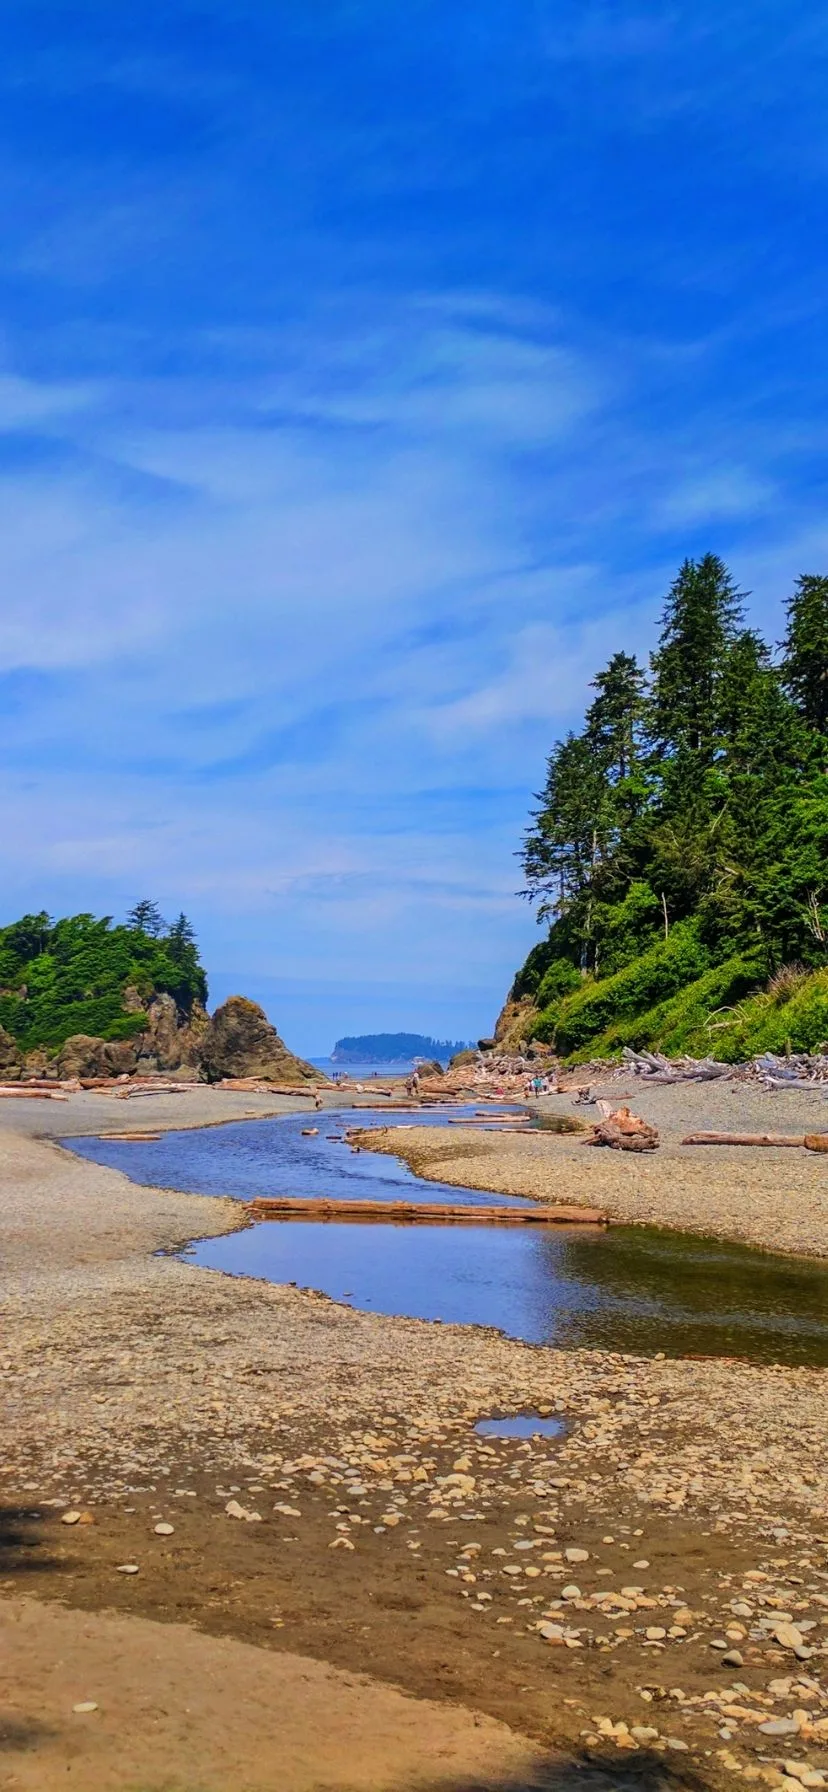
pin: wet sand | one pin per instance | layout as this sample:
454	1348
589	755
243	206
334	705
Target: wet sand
390	1539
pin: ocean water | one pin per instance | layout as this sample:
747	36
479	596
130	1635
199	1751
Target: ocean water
367	1072
629	1289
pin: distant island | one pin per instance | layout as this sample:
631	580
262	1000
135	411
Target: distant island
393	1048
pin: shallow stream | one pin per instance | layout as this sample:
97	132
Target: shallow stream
634	1289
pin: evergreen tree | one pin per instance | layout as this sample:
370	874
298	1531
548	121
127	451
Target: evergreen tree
146	917
700	619
615	718
564	853
181	936
805	647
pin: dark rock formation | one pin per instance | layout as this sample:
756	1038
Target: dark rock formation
239	1041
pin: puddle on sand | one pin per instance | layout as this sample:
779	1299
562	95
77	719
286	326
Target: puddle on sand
521	1424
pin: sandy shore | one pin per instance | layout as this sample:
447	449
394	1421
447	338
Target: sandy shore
777	1199
391	1540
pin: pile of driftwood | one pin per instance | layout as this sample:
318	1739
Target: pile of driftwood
800	1071
123	1088
658	1069
621	1130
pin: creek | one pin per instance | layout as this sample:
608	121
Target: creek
634	1289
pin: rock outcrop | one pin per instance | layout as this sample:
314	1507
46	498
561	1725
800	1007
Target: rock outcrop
240	1042
515	1023
81	1055
172	1041
10	1059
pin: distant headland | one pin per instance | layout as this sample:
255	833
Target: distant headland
394	1048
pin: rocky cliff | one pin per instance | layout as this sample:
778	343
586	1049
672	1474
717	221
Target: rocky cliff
240	1042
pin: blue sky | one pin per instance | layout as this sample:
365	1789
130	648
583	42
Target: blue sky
365	371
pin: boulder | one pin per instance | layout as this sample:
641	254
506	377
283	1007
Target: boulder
430	1067
40	1062
10	1057
82	1055
240	1042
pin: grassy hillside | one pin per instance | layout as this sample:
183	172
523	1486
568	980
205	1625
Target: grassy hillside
672	999
71	976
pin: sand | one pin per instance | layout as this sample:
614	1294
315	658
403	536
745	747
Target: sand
390	1539
777	1199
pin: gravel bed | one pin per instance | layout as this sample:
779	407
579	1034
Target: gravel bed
774	1198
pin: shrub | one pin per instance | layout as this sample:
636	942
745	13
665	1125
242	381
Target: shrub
761	1024
652	978
685	1022
786	981
628	928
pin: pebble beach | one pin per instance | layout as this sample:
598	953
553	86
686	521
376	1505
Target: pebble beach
774	1198
647	1591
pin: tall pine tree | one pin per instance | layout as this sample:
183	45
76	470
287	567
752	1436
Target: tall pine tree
805	648
615	718
700	619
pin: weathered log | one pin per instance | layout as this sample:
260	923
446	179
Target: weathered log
656	1068
278	1207
816	1141
743	1138
18	1092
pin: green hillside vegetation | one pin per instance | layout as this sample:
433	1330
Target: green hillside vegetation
680	851
69	976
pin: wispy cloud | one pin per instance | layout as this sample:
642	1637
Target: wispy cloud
363	378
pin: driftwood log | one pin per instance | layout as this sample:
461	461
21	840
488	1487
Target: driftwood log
19	1092
744	1138
428	1213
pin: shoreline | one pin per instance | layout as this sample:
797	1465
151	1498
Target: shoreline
137	1388
772	1200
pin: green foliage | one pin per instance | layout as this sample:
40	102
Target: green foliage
651	978
699	622
533	969
560	979
764	1024
696	800
69	976
690	1021
628	927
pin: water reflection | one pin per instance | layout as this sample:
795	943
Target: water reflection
276	1157
630	1289
522	1424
